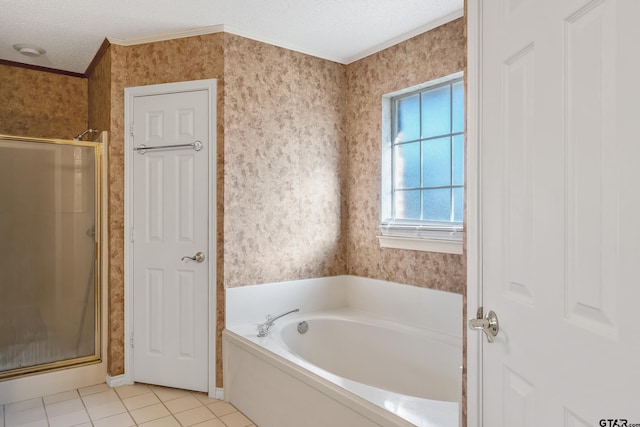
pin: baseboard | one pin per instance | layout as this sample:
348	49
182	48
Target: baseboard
218	393
118	380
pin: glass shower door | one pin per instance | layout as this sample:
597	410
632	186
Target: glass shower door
49	260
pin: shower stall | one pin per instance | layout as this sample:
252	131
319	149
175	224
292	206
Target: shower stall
50	197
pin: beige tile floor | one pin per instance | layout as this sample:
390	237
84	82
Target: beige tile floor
133	405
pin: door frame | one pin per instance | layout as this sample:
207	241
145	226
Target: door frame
130	93
474	213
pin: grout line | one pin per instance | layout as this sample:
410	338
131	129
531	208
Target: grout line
84	406
165	406
46	414
128	412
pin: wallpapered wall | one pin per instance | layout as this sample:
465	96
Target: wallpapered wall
434	54
184	59
283	144
279	140
41	105
298	157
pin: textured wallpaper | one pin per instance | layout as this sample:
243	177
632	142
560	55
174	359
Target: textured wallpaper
280	136
193	58
183	59
100	118
434	54
41	104
298	159
284	136
100	94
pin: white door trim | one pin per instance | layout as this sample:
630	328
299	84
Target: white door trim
159	89
474	220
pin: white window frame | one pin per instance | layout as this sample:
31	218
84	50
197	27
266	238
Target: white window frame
407	234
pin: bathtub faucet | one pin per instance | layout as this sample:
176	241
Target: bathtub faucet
263	328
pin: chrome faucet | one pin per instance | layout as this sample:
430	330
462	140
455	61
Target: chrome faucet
263	328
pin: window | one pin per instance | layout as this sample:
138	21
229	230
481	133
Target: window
423	164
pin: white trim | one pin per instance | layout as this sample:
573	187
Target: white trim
168	36
273	42
118	380
406	36
213	230
209	85
424	85
213	29
219	394
53	382
474	219
428	245
413	229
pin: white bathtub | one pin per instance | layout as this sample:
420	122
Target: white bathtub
349	369
415	362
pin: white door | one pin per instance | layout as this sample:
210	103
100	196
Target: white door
560	236
170	226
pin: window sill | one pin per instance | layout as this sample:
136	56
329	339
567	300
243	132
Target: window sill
446	246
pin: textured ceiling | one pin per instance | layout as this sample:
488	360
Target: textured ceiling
71	31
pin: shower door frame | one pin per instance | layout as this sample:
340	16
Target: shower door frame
96	357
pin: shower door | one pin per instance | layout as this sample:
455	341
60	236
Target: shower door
49	253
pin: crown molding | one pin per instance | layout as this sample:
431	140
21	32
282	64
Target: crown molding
97	57
290	46
40	68
406	36
249	35
201	31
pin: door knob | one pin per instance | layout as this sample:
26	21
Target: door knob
489	324
198	257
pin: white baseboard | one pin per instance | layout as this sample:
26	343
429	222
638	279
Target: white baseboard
118	380
43	384
218	393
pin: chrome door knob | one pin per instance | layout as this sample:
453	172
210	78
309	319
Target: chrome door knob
489	325
198	257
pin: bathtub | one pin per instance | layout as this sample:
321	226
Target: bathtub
349	369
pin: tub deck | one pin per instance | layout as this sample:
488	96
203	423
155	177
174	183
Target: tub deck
277	388
253	365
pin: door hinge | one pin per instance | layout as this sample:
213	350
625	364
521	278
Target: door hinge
131	129
133	235
131	341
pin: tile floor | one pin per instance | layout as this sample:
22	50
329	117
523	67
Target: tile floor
133	405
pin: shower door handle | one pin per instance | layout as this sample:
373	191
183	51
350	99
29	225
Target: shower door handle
198	257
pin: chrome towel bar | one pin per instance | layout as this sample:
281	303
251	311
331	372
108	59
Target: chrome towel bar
197	146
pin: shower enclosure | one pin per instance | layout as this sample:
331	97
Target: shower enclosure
49	254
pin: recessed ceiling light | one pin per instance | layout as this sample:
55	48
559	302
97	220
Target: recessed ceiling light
29	49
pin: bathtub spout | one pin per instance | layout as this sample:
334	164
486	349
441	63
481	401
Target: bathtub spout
263	328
